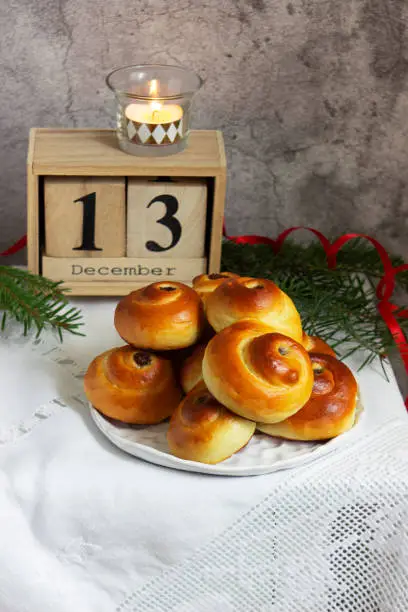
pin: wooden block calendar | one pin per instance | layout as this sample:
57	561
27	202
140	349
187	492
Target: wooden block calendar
105	222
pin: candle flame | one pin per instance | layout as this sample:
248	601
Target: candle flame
153	88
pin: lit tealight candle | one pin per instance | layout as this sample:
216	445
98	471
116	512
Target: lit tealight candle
154	113
154	123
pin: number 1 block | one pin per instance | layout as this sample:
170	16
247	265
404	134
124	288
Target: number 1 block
84	216
166	218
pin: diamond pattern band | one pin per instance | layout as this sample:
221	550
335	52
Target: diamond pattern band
153	134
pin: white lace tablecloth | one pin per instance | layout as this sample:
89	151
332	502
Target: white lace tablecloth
86	528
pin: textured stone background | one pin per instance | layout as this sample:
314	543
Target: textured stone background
311	96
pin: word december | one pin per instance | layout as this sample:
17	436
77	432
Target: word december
125	271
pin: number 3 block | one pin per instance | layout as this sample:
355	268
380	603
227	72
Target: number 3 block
166	218
84	216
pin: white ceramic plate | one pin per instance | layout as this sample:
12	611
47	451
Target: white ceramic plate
262	455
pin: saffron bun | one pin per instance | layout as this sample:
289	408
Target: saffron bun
162	316
251	298
204	284
203	430
132	385
314	344
192	371
331	409
258	374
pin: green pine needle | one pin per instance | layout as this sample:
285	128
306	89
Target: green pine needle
337	305
36	302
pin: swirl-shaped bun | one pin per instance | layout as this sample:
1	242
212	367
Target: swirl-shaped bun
256	373
314	344
331	408
192	370
133	386
251	298
207	283
203	430
161	316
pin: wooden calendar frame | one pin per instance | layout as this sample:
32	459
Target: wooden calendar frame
94	153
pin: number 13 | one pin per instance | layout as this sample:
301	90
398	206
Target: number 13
168	220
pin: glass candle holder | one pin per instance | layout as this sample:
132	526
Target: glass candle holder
154	107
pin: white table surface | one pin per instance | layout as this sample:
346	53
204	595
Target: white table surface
81	523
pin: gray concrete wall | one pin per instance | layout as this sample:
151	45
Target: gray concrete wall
311	96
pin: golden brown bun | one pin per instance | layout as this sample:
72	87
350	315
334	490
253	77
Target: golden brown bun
161	316
192	371
207	283
251	298
331	408
203	430
131	385
256	373
314	344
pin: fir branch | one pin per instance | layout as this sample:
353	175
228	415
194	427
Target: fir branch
338	305
36	302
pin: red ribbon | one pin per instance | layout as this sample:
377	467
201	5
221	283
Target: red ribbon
16	247
390	312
